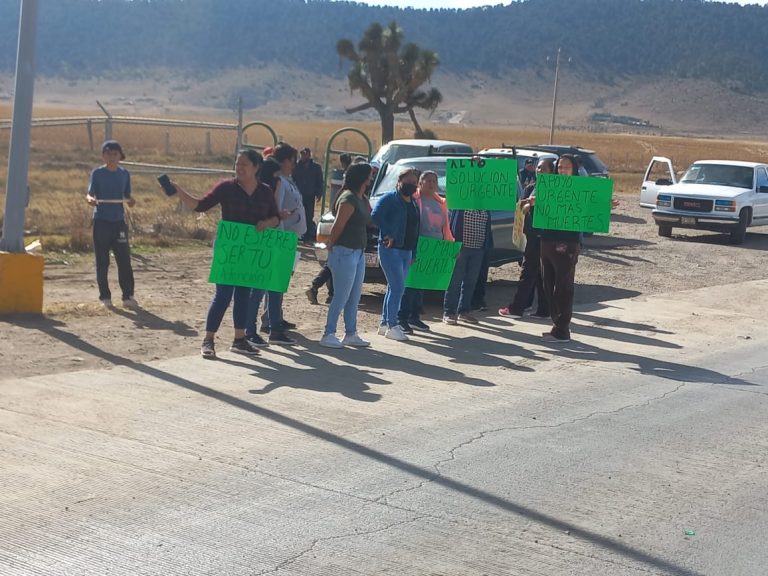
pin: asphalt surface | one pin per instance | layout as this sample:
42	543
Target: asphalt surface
638	448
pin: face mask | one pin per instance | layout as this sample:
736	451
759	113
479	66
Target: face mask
407	189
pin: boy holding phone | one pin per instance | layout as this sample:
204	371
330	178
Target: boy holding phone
108	189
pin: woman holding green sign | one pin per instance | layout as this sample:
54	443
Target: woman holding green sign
346	258
559	255
246	200
433	224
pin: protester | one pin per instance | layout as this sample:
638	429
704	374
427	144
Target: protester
559	255
309	178
528	174
268	175
292	219
246	200
434	223
473	229
531	280
346	259
397	217
109	187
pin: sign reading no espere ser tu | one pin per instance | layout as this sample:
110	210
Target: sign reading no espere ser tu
481	183
244	257
433	268
572	203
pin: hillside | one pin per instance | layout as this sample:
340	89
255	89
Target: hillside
663	66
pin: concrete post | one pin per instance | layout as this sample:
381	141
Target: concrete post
18	157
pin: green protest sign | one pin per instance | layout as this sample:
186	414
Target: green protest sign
244	257
572	203
434	264
481	183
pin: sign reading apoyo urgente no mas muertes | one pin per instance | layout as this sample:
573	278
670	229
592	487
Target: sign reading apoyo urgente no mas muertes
481	183
572	203
433	268
242	256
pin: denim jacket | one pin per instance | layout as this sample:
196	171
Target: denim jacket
391	216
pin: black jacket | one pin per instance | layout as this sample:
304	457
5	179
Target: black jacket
309	178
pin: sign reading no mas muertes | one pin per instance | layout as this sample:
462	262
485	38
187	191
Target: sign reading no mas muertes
481	183
244	257
433	268
572	203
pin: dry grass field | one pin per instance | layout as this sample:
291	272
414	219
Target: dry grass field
62	157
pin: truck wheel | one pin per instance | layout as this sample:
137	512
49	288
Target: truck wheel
665	230
739	233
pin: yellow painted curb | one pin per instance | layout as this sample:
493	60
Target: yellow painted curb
21	283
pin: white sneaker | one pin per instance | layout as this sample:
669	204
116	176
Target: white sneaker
331	341
382	330
355	340
106	302
396	333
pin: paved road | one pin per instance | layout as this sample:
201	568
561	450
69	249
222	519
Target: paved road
466	452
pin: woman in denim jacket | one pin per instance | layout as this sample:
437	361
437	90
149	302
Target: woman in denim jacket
397	217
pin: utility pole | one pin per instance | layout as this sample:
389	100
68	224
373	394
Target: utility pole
21	274
554	99
18	157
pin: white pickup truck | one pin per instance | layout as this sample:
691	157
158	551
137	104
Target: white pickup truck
718	195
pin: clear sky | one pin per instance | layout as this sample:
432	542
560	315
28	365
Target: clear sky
473	3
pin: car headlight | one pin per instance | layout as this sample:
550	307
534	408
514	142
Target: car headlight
663	201
725	206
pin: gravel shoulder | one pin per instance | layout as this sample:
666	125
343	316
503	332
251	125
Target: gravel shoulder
77	334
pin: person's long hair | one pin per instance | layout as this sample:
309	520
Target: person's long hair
355	177
268	172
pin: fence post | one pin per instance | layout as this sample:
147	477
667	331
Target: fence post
208	149
90	134
239	142
167	142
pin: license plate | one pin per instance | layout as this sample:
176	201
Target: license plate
688	220
371	259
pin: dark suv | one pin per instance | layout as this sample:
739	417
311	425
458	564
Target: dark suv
589	160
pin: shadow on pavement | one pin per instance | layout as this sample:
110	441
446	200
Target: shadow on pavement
427	474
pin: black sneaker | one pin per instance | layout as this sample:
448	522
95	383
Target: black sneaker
285	325
405	327
280	338
256	341
207	350
419	325
241	346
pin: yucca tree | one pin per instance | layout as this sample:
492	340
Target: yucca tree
390	75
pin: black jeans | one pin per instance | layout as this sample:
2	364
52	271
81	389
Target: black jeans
112	236
323	277
531	281
558	263
309	212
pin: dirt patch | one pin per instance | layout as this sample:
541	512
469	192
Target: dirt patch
77	334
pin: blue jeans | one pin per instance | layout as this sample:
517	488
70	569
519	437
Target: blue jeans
395	263
348	270
411	304
274	309
458	297
220	303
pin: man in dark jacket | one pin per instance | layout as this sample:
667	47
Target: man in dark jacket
309	178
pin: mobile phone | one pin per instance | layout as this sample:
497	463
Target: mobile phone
165	182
